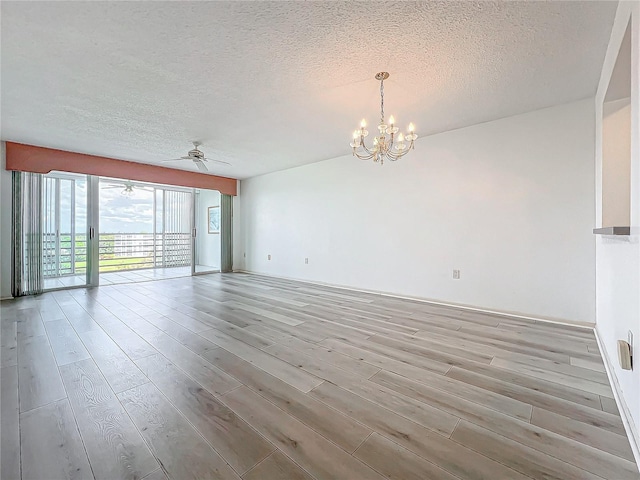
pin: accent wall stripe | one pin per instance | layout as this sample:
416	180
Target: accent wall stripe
28	158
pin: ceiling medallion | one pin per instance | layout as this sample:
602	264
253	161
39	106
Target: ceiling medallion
389	144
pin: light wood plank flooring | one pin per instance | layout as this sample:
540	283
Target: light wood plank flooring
239	376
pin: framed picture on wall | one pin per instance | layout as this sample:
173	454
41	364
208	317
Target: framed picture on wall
214	219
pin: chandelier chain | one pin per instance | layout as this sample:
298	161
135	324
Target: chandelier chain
382	101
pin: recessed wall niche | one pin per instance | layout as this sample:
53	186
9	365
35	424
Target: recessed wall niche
616	141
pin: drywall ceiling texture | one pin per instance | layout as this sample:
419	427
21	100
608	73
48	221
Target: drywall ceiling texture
271	85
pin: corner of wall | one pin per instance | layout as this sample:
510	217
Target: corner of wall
5	226
238	232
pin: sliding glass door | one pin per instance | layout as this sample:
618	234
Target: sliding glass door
77	230
145	231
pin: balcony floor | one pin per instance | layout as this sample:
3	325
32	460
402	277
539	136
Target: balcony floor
116	278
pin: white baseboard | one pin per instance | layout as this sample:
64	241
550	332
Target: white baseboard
472	308
625	414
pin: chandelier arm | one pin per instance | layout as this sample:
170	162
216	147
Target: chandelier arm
367	150
396	156
363	157
403	152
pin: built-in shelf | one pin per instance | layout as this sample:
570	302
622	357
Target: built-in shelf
612	231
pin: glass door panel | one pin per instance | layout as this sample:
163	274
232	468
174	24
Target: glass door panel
145	231
206	241
64	230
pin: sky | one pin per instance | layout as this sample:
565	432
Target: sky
118	213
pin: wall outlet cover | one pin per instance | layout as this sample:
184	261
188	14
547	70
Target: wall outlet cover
624	355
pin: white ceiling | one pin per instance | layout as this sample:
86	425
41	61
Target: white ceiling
271	85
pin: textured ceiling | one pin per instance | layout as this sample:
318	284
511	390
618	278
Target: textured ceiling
271	85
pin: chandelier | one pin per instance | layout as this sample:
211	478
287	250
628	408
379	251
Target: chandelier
389	144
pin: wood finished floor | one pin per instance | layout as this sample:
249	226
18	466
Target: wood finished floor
237	376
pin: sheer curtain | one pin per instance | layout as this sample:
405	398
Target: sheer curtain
27	234
226	232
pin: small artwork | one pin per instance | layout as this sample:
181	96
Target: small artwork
214	219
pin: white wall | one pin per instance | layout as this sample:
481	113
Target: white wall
5	228
509	203
207	244
618	258
238	255
616	149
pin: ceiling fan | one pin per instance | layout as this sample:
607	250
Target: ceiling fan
128	188
197	157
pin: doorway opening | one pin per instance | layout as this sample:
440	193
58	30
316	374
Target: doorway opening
64	230
125	231
145	231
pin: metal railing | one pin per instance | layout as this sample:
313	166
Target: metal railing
117	252
64	256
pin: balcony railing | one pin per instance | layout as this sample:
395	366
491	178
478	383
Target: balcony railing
117	252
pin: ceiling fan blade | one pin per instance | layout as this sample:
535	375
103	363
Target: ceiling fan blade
174	159
221	162
201	166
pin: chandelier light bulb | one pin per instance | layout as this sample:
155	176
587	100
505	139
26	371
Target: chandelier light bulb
385	146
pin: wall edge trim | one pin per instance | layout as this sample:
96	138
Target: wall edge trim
472	308
625	413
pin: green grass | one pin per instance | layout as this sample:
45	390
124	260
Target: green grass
115	264
124	263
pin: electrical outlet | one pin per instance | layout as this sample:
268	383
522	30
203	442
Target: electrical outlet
306	261
269	257
456	274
